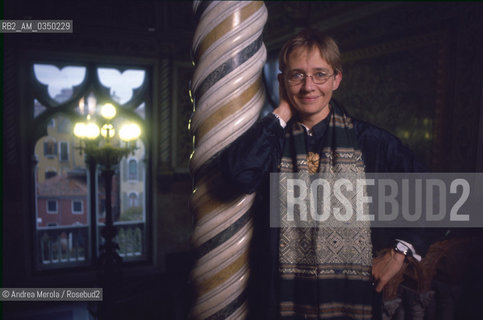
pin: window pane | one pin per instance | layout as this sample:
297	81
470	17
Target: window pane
50	147
128	205
60	245
51	206
121	84
56	152
77	206
61	184
56	194
64	151
133	200
133	184
50	173
62	178
60	82
133	170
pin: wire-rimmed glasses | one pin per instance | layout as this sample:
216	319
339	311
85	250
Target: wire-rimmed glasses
295	77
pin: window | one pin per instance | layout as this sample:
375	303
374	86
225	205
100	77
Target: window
133	200
50	174
64	151
50	148
133	169
77	207
60	82
64	186
121	84
51	206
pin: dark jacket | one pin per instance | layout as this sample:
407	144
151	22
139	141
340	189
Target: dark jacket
246	165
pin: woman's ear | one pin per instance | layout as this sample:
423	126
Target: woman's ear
282	94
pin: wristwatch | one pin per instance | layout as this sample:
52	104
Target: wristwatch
402	248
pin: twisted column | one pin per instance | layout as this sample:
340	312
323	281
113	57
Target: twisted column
228	95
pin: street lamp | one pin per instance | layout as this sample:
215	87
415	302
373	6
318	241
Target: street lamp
98	141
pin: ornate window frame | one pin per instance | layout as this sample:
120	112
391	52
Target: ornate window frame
43	121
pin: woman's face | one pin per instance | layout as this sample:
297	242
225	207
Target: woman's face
310	100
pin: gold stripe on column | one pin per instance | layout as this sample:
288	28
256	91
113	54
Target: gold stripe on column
229	23
228	109
217	279
209	206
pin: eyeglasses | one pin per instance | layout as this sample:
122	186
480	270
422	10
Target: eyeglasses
294	78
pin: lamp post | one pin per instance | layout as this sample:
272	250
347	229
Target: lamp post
98	141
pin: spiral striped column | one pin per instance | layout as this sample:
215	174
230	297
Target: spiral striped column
228	93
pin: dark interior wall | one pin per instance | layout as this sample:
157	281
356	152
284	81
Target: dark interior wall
412	68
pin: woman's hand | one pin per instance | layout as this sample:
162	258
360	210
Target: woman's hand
386	267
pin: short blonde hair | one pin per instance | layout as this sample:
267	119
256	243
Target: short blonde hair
310	38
